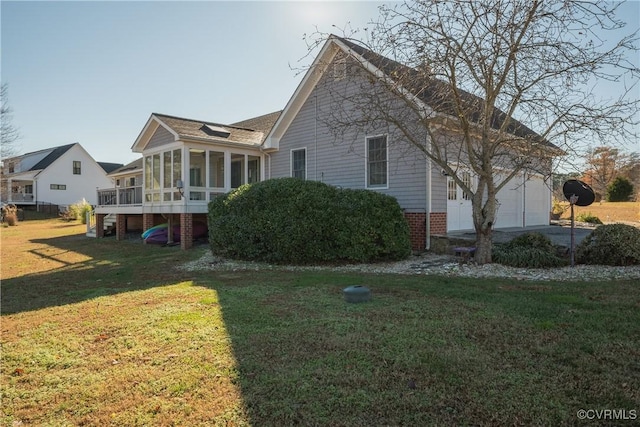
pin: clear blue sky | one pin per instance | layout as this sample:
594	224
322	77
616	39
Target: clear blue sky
93	72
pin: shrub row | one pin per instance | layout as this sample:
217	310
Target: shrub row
288	220
529	250
611	244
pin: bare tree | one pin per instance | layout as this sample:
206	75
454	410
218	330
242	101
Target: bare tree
603	165
8	133
468	81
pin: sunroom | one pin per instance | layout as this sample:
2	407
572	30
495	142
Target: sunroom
197	173
185	164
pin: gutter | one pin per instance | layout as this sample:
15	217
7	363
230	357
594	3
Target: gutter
268	156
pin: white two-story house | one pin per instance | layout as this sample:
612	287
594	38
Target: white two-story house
55	176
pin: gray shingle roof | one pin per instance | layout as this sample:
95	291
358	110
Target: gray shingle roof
132	166
189	128
438	94
109	167
262	123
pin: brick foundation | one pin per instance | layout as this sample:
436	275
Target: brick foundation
147	221
186	230
121	226
438	222
418	227
100	225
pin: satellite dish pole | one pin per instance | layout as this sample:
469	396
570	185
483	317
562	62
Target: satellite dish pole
572	201
578	193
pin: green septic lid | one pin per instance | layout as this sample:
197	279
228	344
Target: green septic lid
357	293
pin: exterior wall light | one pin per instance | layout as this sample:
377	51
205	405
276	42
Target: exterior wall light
180	187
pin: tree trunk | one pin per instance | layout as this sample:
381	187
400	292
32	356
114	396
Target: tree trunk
484	214
483	246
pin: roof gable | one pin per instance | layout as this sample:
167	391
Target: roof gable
54	155
302	92
250	132
427	98
436	93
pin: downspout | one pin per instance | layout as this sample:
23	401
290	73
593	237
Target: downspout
524	199
9	190
315	136
428	207
268	156
35	189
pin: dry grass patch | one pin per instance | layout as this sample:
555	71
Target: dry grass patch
608	211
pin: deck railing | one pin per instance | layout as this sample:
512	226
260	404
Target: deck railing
120	196
21	197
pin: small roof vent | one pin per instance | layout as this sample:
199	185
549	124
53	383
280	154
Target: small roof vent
215	130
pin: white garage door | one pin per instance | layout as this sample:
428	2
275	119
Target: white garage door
523	202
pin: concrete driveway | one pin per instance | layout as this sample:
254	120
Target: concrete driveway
560	233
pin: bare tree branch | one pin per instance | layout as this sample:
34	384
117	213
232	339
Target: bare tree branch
8	133
497	87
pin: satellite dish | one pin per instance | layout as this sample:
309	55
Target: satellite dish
574	187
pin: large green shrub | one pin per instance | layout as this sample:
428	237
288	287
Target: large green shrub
620	190
289	220
611	244
529	250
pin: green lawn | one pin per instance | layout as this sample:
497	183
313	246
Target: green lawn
100	332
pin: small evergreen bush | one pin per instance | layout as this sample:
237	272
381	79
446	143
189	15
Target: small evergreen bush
620	190
288	220
610	244
532	240
526	257
589	218
529	250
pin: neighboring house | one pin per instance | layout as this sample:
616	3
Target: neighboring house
125	193
186	163
59	176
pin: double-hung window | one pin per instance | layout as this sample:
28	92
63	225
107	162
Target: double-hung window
299	163
377	162
77	167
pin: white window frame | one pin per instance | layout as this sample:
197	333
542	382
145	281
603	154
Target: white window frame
303	149
366	162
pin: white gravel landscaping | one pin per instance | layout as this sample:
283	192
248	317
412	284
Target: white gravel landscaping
432	264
